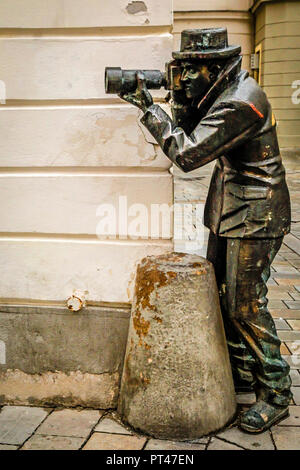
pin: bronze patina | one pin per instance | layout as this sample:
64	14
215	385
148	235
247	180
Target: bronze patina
220	113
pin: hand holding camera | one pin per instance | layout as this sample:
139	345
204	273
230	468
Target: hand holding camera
133	85
142	97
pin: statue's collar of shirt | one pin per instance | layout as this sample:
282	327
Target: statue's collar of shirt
226	77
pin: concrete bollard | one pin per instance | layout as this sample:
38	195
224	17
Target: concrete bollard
177	381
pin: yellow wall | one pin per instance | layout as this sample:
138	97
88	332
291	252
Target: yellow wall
278	33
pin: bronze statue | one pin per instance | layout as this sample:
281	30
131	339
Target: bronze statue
220	113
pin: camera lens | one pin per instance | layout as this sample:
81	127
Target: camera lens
113	80
124	81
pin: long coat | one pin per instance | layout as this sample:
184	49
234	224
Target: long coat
248	196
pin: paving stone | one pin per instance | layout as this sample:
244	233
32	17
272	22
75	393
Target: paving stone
248	441
295	324
294	347
286	437
157	444
8	447
17	423
280	262
278	304
284	249
218	444
111	426
293	304
70	423
295	295
281	324
200	440
295	376
286	314
293	360
39	442
292	242
296	395
278	295
296	264
284	349
285	269
295	277
290	256
293	419
289	335
103	441
285	281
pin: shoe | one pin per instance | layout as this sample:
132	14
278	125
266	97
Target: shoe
261	416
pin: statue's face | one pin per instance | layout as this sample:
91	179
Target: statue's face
196	79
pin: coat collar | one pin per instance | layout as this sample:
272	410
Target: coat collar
227	76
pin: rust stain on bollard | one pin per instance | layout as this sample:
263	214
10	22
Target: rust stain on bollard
140	324
158	319
147	280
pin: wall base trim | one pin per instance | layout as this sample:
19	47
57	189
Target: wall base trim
59	389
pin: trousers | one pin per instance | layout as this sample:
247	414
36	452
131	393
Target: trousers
242	268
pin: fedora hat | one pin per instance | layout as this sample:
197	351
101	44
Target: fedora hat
211	43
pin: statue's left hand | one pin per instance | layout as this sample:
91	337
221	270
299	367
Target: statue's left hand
141	98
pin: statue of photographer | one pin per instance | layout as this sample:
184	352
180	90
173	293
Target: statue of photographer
220	113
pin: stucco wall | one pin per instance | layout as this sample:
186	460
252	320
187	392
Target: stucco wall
278	32
67	147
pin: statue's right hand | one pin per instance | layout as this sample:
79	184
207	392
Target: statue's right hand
129	97
141	97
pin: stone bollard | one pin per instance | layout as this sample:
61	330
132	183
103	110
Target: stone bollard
177	381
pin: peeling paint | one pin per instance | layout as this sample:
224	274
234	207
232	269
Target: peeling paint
136	7
137	13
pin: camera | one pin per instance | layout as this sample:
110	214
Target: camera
119	81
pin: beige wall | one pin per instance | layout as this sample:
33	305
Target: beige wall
213	5
83	14
278	32
66	147
233	14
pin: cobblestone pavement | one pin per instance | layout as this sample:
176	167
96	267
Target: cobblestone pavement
33	428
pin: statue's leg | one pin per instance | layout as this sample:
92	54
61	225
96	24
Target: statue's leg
248	269
241	359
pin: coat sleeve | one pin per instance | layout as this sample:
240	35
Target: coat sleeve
225	126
